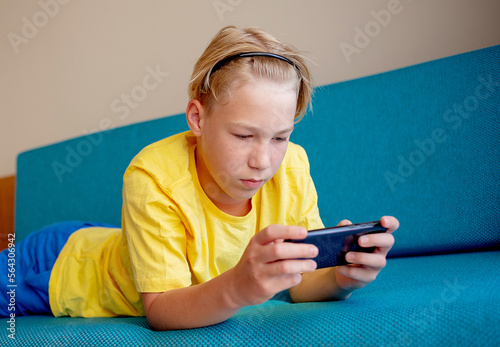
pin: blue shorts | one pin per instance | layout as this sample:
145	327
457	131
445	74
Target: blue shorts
34	260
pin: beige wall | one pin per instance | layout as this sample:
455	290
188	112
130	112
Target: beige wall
66	66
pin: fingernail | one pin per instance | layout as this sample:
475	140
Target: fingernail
302	232
349	257
313	265
363	240
314	251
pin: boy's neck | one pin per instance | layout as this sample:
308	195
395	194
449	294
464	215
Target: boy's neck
238	210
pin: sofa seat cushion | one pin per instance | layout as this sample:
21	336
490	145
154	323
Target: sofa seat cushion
448	299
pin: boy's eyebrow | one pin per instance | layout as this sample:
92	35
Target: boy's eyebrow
254	128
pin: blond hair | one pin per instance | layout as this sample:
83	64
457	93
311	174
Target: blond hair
207	85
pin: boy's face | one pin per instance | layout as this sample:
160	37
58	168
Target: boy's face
241	144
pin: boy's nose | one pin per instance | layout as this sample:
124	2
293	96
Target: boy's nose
260	157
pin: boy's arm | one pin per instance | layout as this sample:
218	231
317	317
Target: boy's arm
319	285
191	307
267	267
337	283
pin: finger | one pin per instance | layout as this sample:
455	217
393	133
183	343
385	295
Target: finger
389	222
372	260
344	222
289	267
287	250
382	241
358	273
287	281
275	233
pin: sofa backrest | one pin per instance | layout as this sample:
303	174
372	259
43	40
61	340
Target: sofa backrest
421	143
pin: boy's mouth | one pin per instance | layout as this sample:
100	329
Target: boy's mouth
252	184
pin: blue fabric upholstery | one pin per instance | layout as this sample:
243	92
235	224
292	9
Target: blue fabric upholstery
445	300
421	143
447	196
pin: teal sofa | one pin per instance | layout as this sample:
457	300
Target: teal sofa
421	143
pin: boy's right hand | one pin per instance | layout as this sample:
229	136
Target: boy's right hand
269	265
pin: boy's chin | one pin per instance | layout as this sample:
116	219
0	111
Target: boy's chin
245	194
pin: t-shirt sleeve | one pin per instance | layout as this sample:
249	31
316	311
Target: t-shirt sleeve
156	236
310	217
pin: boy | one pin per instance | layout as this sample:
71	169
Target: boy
243	179
205	212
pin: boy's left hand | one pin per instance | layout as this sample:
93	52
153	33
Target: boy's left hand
363	268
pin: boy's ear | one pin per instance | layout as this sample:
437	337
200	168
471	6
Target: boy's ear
195	116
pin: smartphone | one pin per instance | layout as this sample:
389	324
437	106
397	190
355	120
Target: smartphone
333	243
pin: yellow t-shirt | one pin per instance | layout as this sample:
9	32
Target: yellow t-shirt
90	277
173	235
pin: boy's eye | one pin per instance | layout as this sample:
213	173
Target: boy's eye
244	137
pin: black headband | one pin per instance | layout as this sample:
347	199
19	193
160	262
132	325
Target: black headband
251	54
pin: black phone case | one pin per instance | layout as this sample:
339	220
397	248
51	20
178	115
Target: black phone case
333	243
